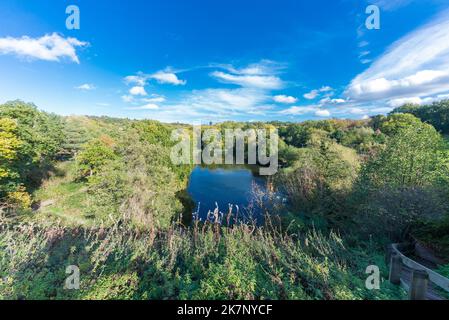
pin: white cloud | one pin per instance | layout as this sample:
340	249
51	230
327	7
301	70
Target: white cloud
250	81
356	111
138	91
254	96
51	47
86	87
167	77
328	100
139	80
261	68
323	113
262	75
300	110
363	44
315	93
401	101
326	89
285	99
311	95
215	105
417	64
394	103
364	53
223	100
154	99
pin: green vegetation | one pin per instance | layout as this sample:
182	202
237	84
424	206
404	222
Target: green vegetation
102	194
29	141
200	263
436	114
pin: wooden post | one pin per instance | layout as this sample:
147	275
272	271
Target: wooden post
395	269
389	252
418	287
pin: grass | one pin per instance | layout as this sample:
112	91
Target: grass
203	262
66	199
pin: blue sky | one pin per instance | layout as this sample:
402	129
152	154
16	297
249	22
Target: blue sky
201	61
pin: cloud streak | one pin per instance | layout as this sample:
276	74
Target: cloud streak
51	47
417	64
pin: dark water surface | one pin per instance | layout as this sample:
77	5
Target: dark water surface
224	185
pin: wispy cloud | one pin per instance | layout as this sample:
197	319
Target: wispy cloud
329	100
138	91
154	99
317	92
215	105
86	87
315	110
417	65
167	77
139	79
285	99
51	47
249	81
262	75
323	113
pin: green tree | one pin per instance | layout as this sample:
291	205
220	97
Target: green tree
96	154
412	157
437	114
393	124
403	185
41	136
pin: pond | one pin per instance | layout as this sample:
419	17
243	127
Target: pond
225	185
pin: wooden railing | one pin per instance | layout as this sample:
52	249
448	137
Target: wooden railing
420	283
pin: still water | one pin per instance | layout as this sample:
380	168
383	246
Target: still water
224	185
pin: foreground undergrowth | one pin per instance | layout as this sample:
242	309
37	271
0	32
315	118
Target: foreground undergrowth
202	262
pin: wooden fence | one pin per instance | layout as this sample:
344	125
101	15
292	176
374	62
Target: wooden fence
421	282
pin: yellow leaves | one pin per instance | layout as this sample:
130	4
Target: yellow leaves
19	198
3	173
9	143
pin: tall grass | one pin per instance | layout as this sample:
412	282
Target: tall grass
206	261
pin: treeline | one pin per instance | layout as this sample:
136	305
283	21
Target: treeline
436	114
131	177
124	164
384	177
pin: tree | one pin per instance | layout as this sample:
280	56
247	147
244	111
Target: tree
41	139
9	146
436	114
320	180
403	184
411	158
96	154
393	124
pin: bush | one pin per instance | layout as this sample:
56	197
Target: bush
320	180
